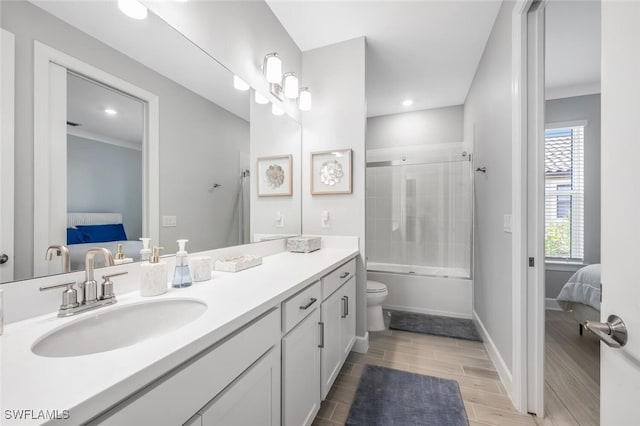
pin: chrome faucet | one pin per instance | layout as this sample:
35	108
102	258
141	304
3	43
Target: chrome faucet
89	287
62	251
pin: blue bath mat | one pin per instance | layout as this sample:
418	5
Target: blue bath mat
387	397
458	328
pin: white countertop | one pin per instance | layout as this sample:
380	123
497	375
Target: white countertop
87	385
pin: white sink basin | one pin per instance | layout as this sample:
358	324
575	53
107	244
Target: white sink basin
118	327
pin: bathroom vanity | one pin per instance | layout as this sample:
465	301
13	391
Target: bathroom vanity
265	351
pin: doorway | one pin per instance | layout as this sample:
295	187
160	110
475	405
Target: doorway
562	210
52	69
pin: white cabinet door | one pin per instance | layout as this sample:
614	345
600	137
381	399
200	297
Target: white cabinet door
331	353
253	399
348	323
301	372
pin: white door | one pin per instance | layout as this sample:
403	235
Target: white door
620	368
7	71
348	323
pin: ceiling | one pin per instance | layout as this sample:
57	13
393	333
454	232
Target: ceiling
572	31
86	105
427	51
187	64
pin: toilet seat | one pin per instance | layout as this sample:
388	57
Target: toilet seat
376	287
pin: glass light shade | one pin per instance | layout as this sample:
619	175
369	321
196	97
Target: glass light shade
260	99
290	85
273	68
275	110
239	83
304	102
133	9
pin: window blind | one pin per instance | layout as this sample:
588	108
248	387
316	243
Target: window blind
564	193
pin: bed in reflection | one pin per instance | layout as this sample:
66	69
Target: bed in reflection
86	230
581	294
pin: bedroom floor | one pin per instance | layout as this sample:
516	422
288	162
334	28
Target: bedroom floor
572	373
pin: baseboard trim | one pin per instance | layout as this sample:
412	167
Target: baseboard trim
362	344
426	311
494	354
551	304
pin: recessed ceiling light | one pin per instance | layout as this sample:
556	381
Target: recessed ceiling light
133	9
407	102
110	111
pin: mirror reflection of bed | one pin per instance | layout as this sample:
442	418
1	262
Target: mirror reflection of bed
572	212
87	230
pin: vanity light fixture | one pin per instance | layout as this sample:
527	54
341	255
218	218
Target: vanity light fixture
407	102
275	110
284	86
239	83
304	101
272	68
290	84
133	9
260	99
110	111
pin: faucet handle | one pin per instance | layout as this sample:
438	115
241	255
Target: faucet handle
69	296
107	286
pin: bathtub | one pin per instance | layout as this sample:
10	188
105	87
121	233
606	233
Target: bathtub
423	289
429	271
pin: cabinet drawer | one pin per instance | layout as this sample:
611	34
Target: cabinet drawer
332	281
296	308
174	398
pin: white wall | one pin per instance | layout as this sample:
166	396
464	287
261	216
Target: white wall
105	178
429	126
577	109
197	137
236	33
274	136
336	74
487	125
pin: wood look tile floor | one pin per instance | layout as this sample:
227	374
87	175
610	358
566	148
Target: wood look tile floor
467	362
572	373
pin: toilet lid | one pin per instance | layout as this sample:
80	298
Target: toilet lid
375	287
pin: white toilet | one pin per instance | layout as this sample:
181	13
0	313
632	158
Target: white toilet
376	295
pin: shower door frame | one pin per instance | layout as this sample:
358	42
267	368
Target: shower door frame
469	159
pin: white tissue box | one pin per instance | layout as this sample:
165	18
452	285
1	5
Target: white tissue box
236	264
303	244
201	268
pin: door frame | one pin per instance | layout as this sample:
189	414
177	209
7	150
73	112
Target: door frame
7	147
49	169
528	282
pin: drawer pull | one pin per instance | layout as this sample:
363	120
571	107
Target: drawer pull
311	302
321	345
345	275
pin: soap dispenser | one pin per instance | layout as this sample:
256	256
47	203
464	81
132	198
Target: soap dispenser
145	252
119	258
182	276
153	275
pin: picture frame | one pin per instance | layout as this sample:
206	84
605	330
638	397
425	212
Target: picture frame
275	176
332	172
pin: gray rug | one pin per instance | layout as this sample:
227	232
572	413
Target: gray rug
387	397
459	328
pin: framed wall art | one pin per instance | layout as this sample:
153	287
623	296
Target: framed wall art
274	176
331	172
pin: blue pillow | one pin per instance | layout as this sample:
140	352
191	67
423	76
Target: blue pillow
76	236
104	233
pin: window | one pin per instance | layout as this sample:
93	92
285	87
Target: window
564	193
